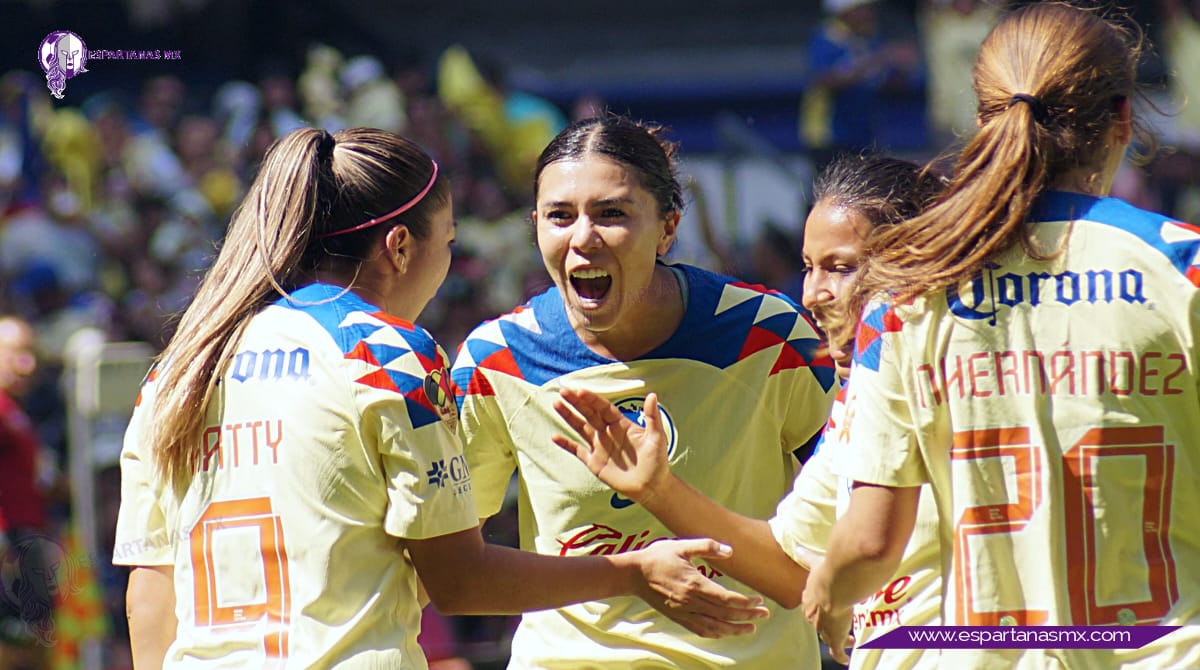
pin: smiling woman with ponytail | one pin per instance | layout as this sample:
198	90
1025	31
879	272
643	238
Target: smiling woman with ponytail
1014	352
292	462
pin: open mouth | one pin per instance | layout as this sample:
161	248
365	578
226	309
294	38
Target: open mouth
591	283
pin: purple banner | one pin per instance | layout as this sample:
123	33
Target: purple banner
1018	637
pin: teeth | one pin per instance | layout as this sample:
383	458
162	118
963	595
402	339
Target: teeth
589	273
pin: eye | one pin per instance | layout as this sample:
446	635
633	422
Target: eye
612	213
558	216
845	269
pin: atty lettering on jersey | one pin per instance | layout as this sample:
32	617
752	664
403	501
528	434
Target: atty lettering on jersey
246	443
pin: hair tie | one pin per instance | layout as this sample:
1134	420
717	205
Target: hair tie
1035	106
395	212
325	146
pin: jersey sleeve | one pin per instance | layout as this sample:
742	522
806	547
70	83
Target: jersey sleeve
881	437
485	437
428	481
803	518
142	536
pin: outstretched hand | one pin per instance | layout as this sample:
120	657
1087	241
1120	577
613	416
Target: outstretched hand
630	458
677	589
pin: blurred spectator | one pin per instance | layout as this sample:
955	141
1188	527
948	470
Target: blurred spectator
55	235
208	164
951	31
278	91
1178	171
777	262
513	126
319	88
858	81
26	616
237	106
372	98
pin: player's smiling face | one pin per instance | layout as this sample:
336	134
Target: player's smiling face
600	232
834	237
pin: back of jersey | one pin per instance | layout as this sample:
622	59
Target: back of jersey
330	437
1056	409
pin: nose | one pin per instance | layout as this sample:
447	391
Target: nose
818	288
584	234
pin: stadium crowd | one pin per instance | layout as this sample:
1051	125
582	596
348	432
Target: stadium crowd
111	208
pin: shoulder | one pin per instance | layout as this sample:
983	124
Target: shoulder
354	324
1179	242
878	318
532	342
729	320
730	302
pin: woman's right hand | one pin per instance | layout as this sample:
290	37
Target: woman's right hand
681	592
630	458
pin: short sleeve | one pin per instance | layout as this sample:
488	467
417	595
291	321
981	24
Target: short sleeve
490	452
485	438
803	518
142	535
429	484
881	445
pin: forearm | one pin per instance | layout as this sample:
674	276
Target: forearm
851	571
503	580
758	561
865	546
150	609
463	575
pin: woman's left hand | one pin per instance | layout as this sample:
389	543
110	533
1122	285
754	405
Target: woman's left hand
680	591
630	458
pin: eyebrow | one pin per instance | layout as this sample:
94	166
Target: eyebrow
599	203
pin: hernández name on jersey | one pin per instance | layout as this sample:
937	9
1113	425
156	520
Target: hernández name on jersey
1069	369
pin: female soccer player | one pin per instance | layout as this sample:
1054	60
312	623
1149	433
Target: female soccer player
853	195
1035	362
735	367
293	456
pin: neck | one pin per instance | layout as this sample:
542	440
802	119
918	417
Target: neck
653	321
359	284
1084	180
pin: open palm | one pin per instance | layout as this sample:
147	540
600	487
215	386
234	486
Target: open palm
630	458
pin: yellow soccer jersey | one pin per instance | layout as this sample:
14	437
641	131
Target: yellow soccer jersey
1053	406
331	436
913	597
740	385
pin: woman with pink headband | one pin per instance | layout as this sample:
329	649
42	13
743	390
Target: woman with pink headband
292	466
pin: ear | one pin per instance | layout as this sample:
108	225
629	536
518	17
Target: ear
398	243
666	237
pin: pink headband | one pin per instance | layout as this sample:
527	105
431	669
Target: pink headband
395	212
